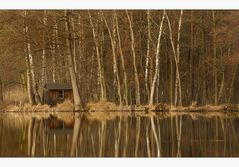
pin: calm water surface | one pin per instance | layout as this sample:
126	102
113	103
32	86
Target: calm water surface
124	135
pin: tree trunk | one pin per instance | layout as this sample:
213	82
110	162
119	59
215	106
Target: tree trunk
115	66
74	45
178	58
31	96
44	73
30	93
222	85
215	59
122	60
230	100
1	92
54	54
100	69
32	73
203	55
58	51
157	68
147	56
191	82
137	92
178	91
76	95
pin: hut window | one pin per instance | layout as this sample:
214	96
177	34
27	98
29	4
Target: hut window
61	94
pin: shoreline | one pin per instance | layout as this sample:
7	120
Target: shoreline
161	107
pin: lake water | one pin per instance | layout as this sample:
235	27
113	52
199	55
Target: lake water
124	135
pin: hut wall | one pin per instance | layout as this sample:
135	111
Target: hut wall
53	96
68	95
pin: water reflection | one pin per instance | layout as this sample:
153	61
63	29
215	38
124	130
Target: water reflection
123	135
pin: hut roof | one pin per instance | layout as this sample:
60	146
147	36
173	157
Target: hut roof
57	86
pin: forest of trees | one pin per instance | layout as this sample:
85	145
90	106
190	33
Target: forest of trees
123	56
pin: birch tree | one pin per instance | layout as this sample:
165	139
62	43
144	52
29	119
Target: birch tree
70	54
122	60
197	61
31	83
1	91
147	54
215	58
137	92
100	68
44	73
112	36
157	68
176	53
76	95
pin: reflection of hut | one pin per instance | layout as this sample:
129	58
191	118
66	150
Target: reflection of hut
56	93
54	122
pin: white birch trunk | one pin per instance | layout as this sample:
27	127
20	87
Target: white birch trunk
100	69
115	66
30	93
76	95
176	53
1	90
32	72
147	54
137	88
53	51
156	74
58	53
215	58
122	60
29	63
231	85
178	57
74	45
44	74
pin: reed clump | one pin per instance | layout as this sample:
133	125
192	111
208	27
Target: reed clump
28	108
101	105
67	105
15	96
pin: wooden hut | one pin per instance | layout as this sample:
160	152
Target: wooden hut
55	93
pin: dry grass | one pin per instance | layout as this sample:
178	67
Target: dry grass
149	112
98	111
41	111
102	105
15	96
28	108
65	106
